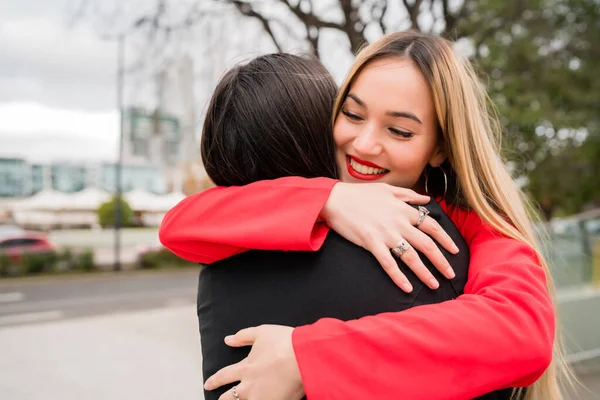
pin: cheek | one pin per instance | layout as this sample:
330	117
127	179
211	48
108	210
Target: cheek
408	157
406	163
343	132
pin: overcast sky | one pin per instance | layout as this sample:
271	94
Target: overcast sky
58	82
57	90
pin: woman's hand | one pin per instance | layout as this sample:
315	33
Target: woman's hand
270	372
376	216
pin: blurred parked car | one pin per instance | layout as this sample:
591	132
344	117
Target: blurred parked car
16	243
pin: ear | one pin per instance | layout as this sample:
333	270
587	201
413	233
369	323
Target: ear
438	158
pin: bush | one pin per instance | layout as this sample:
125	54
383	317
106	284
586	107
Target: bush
149	260
35	263
160	258
66	255
84	261
4	264
106	213
65	261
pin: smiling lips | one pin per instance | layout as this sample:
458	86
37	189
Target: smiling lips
364	170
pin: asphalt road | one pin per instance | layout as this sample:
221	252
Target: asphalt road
56	298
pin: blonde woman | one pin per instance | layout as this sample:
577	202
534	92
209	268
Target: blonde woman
410	114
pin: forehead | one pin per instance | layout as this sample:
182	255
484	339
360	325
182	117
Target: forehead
394	83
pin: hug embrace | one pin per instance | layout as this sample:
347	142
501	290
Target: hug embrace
365	242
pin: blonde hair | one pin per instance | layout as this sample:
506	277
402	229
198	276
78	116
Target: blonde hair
471	138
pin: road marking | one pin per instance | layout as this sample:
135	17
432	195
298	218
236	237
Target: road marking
585	355
577	294
11	297
117	299
31	317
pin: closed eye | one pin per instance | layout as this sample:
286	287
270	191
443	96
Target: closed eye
404	134
351	116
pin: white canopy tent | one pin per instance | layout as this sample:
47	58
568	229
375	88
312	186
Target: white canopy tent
170	200
49	218
88	199
143	201
48	200
54	208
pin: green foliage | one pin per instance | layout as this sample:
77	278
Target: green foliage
65	260
540	60
106	213
84	261
4	264
66	254
149	260
35	263
160	258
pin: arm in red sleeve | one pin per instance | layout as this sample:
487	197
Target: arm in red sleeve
498	334
267	215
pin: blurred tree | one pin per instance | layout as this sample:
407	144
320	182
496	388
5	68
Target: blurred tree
542	78
352	18
536	57
106	213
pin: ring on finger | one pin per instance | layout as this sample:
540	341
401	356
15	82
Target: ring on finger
400	248
423	213
234	393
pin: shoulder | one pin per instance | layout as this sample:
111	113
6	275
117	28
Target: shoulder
471	225
486	241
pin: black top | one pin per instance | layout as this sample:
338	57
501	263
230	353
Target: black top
341	280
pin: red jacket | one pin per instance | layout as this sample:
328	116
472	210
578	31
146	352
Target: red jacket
498	334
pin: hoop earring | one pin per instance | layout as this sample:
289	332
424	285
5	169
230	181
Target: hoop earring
445	181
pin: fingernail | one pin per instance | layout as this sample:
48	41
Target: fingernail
455	249
407	287
228	339
433	283
450	273
208	385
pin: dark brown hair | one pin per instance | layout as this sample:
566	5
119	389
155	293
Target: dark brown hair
268	119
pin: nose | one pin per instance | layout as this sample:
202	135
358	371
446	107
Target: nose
367	142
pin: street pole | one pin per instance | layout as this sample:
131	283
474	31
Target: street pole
118	174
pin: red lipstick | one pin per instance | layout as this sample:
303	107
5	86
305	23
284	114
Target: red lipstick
363	177
363	162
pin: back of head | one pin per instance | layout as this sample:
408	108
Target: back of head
268	119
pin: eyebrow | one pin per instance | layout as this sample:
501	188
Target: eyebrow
395	114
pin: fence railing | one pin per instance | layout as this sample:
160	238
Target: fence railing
574	258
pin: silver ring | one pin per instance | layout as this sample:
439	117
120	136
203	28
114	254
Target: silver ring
423	213
400	248
234	393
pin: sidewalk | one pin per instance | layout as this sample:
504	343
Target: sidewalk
153	355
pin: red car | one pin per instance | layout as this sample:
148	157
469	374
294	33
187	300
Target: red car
16	243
